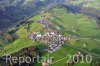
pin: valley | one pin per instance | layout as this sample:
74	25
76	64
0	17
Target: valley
79	25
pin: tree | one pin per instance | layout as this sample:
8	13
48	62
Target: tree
8	37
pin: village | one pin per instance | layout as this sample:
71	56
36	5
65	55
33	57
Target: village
52	38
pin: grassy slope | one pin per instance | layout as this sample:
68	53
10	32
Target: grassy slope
86	27
93	4
23	40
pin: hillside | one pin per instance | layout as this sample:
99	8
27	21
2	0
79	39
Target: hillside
87	3
94	4
83	30
12	11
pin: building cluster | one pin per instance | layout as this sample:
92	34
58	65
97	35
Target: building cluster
44	22
53	39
